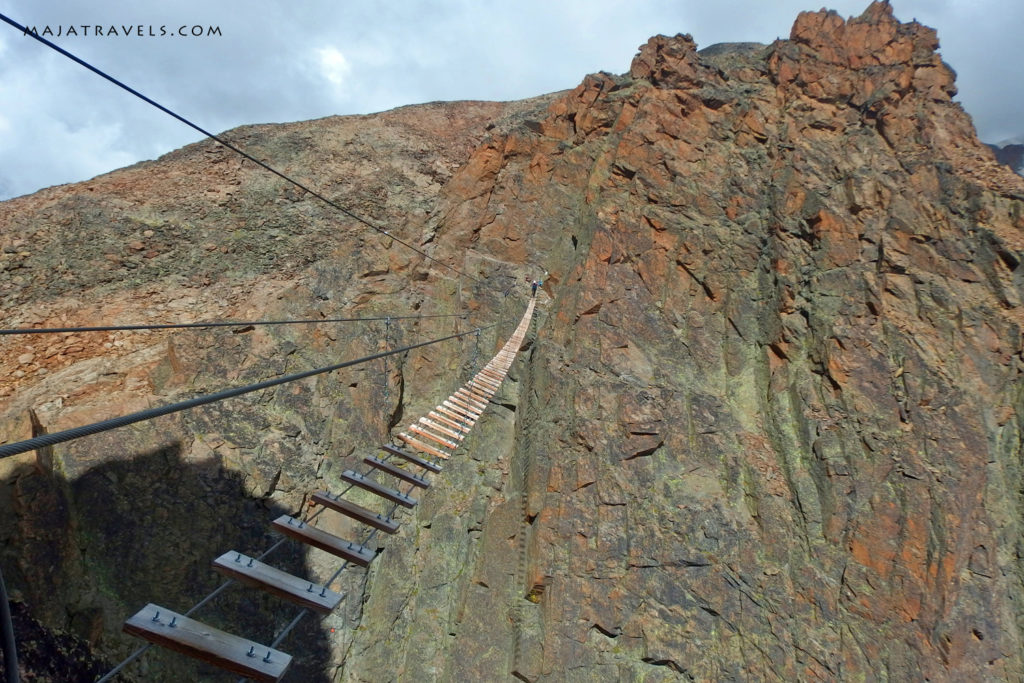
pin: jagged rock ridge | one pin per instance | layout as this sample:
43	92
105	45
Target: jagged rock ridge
1011	155
769	426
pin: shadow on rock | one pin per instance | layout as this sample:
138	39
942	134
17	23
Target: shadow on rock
81	556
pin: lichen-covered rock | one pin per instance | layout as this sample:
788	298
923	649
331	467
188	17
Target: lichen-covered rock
770	424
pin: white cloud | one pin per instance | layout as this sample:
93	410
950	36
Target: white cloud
333	65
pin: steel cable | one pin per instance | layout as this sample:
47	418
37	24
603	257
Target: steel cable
225	323
142	415
233	148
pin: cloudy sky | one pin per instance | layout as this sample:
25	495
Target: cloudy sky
278	61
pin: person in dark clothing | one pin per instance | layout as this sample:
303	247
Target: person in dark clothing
533	288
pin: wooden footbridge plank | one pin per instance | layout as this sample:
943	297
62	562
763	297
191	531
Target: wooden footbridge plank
468	390
471	399
456	402
363	482
465	421
420	446
356	512
414	459
237	655
482	387
475	394
416	429
482	395
299	530
441	419
252	572
396	471
493	379
440	428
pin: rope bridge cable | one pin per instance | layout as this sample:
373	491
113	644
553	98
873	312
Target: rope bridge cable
124	420
217	323
233	148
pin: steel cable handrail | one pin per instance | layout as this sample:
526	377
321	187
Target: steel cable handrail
44	440
218	323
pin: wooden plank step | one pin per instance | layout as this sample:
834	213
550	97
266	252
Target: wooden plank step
181	634
471	399
477	394
396	471
370	485
299	530
466	422
484	375
468	409
440	428
442	419
481	389
420	446
451	404
356	512
488	380
460	398
485	391
433	437
252	572
414	459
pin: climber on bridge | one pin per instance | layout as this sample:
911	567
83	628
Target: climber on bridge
533	288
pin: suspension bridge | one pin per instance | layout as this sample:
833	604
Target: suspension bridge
427	443
390	476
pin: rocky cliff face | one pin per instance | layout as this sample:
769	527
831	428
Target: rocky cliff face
1011	155
768	426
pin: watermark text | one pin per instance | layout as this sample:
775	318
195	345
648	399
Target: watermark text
124	31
